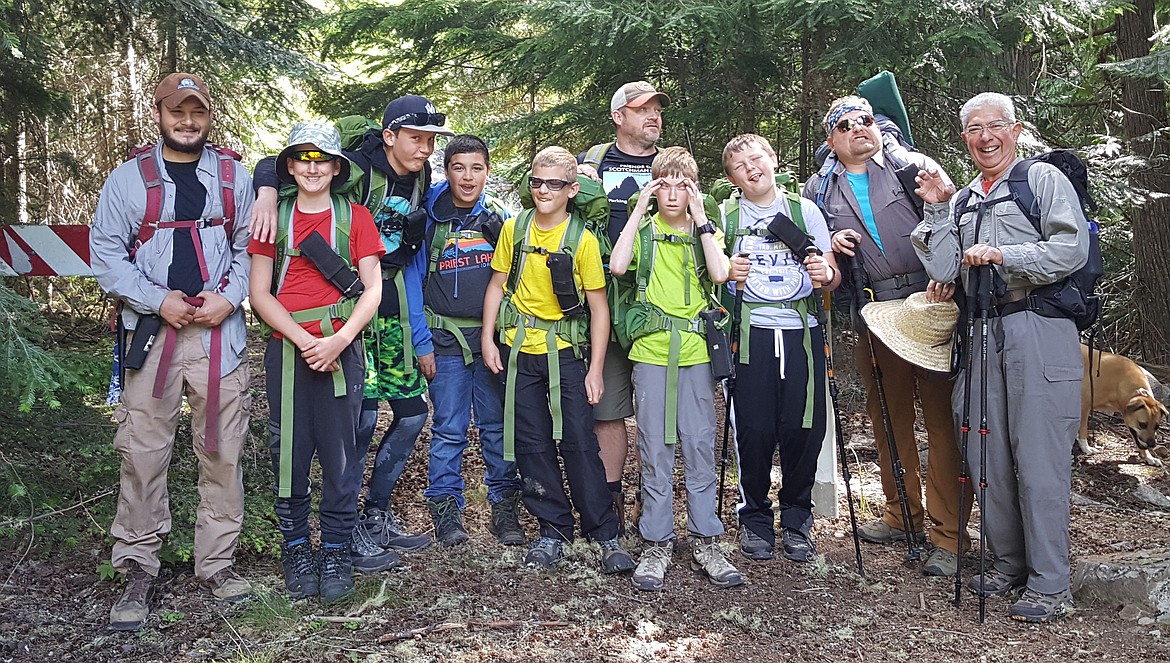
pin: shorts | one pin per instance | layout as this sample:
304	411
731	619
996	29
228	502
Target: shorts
617	402
386	376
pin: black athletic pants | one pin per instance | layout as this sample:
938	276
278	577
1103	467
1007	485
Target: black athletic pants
769	412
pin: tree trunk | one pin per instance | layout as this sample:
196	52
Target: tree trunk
1144	107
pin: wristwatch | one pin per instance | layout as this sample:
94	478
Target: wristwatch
706	229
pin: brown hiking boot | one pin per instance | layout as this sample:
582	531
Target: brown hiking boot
130	611
226	585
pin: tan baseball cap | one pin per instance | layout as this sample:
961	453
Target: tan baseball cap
176	87
635	95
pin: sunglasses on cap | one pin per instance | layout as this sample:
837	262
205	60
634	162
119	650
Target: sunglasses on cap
845	125
312	155
418	120
535	183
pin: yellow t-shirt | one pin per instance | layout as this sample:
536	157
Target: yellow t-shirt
674	267
534	293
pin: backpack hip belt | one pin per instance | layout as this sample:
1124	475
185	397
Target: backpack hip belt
896	283
454	325
325	315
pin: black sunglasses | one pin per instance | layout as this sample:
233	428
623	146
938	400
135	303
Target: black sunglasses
418	120
845	125
535	183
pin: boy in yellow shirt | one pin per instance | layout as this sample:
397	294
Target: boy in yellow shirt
550	389
681	243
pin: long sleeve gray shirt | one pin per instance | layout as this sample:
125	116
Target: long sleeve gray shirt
1030	259
141	282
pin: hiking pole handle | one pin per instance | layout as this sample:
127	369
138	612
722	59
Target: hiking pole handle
814	251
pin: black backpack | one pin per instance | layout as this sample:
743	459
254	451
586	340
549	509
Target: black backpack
1076	296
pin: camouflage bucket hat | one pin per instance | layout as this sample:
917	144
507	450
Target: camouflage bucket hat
319	134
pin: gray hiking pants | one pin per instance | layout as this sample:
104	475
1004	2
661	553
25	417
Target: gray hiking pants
696	436
1034	370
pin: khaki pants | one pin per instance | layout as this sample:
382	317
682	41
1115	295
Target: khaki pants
899	378
146	436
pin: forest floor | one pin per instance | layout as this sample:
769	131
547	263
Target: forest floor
476	603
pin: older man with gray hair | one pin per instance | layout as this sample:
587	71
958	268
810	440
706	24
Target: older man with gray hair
1032	371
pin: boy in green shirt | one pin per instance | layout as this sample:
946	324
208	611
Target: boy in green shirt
686	259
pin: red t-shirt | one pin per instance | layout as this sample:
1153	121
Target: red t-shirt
304	285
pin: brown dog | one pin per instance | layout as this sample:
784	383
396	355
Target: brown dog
1122	387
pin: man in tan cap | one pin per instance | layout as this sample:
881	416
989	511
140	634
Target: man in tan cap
157	245
623	168
871	215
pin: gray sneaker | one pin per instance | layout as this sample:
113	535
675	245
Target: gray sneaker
994	582
706	557
1036	608
388	531
652	565
614	559
369	557
543	553
881	533
798	545
941	562
130	611
752	546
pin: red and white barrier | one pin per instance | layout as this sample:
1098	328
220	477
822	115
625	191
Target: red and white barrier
44	250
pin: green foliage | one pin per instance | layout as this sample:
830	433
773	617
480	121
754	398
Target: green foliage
28	372
106	571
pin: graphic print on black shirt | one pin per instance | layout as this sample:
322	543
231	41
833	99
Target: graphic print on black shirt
461	276
190	198
621	176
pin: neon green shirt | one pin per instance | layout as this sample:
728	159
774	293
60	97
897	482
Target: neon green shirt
674	266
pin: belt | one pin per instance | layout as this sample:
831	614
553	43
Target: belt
1013	302
898	282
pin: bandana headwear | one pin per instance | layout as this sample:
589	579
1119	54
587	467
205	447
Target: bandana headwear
835	115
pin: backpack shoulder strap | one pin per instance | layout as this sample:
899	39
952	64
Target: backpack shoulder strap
438	243
730	209
795	210
1017	181
595	154
152	180
342	224
519	238
284	235
961	199
375	186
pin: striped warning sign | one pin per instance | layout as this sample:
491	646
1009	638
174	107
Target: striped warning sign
44	250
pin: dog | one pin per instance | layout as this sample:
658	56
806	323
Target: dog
1121	387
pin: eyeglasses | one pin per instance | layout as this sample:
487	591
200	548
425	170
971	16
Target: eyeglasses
535	183
313	155
418	119
997	127
845	125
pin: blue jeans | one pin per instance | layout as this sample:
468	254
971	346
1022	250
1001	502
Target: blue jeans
410	416
455	391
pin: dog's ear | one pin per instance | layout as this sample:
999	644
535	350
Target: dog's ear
1142	391
1136	403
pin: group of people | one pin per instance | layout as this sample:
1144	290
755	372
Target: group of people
374	283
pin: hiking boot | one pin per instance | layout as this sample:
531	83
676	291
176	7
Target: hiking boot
543	553
1036	608
881	533
300	570
941	562
706	557
505	523
336	564
367	556
994	582
390	532
130	611
652	565
614	559
448	519
752	546
798	547
225	584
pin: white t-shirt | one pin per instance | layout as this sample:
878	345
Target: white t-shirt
776	275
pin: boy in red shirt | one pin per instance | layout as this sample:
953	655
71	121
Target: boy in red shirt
316	346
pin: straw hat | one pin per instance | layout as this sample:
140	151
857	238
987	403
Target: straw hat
915	329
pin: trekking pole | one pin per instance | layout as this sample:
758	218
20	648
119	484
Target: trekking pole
985	297
833	394
965	428
729	386
857	278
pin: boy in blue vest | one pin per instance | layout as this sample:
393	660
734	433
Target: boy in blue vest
779	399
544	330
674	388
463	225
